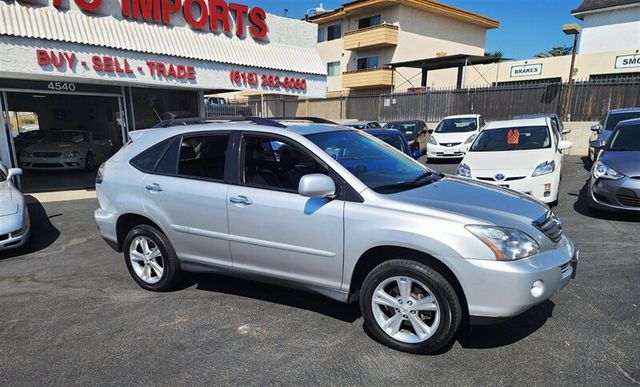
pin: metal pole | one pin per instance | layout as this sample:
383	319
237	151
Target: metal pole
567	96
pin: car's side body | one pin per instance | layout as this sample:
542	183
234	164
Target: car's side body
449	145
14	214
67	154
328	245
602	131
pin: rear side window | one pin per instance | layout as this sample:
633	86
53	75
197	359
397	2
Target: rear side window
169	161
203	156
146	160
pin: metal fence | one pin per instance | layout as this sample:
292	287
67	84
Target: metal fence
590	100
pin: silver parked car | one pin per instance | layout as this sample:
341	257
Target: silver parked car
14	215
335	211
63	150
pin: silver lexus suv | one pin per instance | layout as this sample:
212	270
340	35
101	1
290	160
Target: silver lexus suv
332	210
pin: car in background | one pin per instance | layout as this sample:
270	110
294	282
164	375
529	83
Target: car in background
219	106
453	135
523	155
14	214
25	139
66	150
412	130
362	125
396	139
615	176
555	121
602	131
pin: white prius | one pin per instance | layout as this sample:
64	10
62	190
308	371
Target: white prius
524	155
453	135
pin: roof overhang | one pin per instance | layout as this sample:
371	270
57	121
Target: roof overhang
445	62
425	5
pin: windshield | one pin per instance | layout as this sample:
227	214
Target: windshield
626	138
395	140
376	164
67	136
614	118
457	125
508	139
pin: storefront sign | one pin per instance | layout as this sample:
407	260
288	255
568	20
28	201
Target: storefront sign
270	81
214	15
526	70
102	64
627	61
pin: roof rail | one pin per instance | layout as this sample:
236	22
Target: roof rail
315	120
205	120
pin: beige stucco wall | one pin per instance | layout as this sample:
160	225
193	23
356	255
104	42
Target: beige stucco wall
611	30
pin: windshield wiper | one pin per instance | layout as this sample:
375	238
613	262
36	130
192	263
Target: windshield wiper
415	183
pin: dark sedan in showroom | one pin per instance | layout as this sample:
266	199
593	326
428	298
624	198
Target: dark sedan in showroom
615	177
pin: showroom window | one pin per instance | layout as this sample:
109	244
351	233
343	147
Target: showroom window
151	106
334	32
370	62
333	69
369	22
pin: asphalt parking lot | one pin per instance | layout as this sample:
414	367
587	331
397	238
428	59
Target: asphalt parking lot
70	314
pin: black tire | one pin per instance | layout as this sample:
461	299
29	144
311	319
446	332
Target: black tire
89	162
441	289
172	274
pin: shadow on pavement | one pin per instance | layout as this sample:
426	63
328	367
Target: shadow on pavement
43	232
586	163
276	294
508	332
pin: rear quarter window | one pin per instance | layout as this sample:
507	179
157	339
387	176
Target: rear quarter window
147	160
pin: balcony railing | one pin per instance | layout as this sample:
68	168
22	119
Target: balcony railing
371	37
376	77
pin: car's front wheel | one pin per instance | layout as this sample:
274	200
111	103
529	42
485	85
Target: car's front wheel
410	307
151	260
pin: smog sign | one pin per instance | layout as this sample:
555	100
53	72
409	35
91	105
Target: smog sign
627	61
526	70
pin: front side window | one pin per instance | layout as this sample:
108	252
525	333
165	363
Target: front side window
626	138
334	32
274	164
203	156
615	118
370	62
372	161
457	125
369	21
333	69
509	139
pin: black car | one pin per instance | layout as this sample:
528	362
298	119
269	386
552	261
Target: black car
411	130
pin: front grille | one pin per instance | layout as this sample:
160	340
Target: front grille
41	165
47	155
565	268
448	144
507	179
628	198
4	237
550	226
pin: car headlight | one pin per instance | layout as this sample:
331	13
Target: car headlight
507	244
470	139
432	141
463	170
25	154
602	171
71	154
545	168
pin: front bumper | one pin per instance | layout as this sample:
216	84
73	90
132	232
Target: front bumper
52	164
496	289
16	238
446	152
615	195
543	188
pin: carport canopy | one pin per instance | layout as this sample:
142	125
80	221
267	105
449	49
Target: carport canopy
459	61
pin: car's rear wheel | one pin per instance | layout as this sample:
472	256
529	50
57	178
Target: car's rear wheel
151	260
410	307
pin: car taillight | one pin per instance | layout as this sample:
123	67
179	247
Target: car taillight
100	175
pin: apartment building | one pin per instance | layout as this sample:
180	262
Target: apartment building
358	40
608	25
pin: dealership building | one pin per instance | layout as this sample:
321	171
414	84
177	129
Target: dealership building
78	75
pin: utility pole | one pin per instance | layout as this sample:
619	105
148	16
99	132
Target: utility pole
570	29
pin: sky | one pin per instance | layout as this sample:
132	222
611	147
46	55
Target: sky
526	26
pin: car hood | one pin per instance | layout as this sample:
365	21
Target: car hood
526	160
627	163
452	137
53	147
476	201
8	206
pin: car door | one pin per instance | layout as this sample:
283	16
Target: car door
273	230
187	192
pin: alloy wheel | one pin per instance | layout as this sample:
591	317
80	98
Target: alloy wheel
146	260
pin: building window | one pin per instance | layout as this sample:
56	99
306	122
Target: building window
334	32
333	69
369	21
320	34
370	62
541	81
615	77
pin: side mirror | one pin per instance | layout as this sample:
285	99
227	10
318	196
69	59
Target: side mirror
416	154
597	144
562	145
566	131
13	172
596	128
316	185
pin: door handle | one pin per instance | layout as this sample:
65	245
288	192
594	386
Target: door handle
241	200
153	187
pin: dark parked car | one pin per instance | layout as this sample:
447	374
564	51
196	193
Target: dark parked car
410	129
396	139
602	131
615	176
